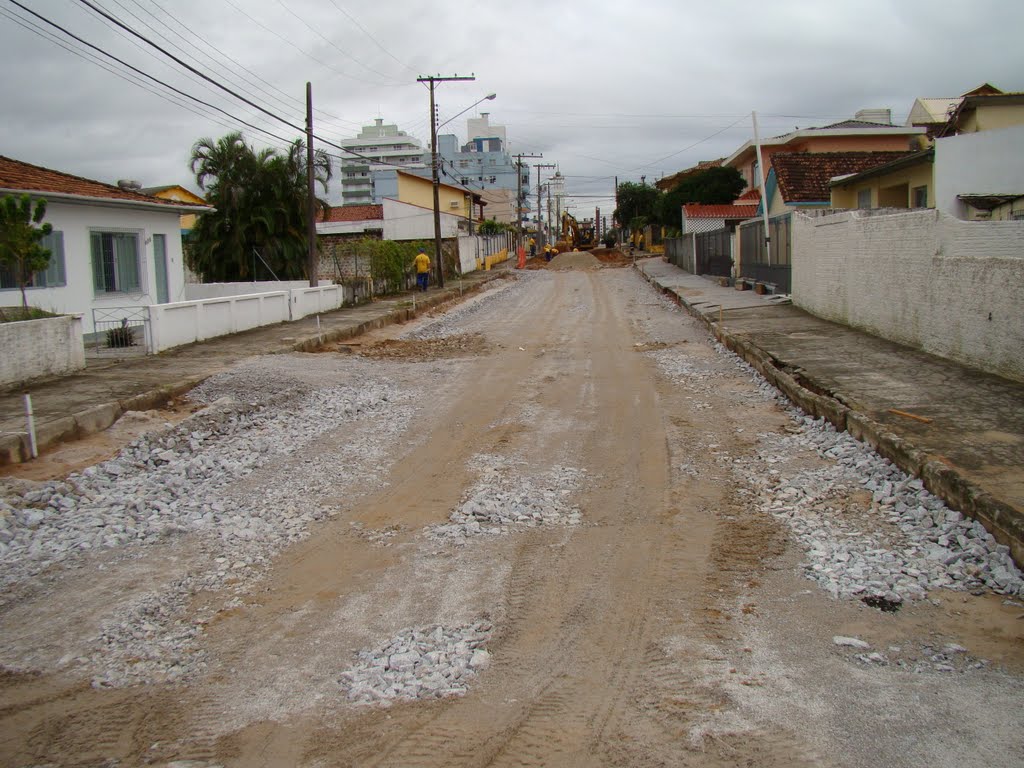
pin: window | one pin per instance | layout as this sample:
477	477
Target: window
50	277
864	198
115	262
919	197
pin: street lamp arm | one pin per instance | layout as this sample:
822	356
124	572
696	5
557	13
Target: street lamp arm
488	97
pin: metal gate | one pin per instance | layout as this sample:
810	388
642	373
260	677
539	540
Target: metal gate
120	331
714	253
756	264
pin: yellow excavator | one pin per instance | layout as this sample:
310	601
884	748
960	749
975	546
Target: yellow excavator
575	235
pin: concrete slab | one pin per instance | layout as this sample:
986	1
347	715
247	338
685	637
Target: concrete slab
969	447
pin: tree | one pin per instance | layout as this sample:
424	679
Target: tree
260	209
713	186
636	201
492	227
21	249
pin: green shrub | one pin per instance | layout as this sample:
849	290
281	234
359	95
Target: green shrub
119	338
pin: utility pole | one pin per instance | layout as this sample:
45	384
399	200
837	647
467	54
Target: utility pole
433	80
519	194
760	184
615	213
540	225
311	256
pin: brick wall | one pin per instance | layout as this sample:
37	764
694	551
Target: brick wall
34	348
920	278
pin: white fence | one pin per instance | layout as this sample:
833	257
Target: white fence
185	322
920	278
51	346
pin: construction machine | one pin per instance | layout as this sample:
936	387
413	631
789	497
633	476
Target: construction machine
575	235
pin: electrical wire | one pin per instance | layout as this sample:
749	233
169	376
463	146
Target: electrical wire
331	43
362	29
309	55
135	69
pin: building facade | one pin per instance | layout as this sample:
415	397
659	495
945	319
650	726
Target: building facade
380	147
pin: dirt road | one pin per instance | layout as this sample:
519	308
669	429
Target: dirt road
636	607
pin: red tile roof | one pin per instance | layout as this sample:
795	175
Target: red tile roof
751	194
668	183
729	211
16	175
803	177
353	213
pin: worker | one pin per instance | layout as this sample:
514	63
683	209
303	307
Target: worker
533	248
422	269
547	252
640	243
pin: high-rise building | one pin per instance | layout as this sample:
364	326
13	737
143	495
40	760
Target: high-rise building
380	146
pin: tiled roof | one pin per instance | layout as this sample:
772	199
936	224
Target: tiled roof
668	183
16	175
728	211
353	213
803	177
751	194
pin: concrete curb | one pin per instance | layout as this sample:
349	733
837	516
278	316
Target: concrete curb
1004	522
14	448
402	315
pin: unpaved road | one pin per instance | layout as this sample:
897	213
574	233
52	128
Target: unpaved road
670	626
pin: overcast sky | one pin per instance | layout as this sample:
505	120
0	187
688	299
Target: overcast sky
646	87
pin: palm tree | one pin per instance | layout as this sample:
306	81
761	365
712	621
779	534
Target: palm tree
260	201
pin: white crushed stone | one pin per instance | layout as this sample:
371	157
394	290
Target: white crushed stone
505	497
905	543
431	662
182	481
455	320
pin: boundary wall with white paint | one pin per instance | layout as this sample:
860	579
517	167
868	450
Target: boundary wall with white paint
921	278
50	346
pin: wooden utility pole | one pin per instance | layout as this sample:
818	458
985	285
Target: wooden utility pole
311	257
438	255
519	195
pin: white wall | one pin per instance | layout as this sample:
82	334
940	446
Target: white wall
921	278
177	323
78	296
987	162
197	291
403	221
48	347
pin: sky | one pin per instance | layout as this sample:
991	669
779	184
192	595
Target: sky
631	90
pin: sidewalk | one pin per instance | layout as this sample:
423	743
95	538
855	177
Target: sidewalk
71	407
967	443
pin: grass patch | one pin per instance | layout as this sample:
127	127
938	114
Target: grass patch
17	314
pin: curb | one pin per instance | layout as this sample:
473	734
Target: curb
1004	522
14	447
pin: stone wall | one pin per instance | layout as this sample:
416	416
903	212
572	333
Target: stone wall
33	348
920	278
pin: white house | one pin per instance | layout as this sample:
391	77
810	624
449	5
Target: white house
114	250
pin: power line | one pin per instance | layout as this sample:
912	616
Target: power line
331	43
157	80
309	55
93	59
355	21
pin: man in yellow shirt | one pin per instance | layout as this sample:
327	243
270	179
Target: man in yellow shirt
422	269
533	247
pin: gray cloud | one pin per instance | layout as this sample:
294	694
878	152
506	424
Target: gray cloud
638	88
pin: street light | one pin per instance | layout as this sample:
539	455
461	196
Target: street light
488	97
432	81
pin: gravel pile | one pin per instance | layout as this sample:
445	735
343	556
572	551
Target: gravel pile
503	499
202	476
423	663
897	546
454	320
906	541
917	658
